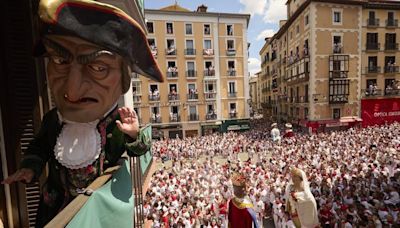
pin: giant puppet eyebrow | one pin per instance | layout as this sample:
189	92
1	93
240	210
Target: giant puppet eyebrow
85	59
82	59
58	48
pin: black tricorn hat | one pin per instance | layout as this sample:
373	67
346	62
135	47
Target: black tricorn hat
103	25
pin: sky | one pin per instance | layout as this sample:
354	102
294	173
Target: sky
264	20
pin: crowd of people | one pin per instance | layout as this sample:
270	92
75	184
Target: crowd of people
354	176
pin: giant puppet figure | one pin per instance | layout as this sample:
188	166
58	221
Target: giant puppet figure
288	131
240	212
301	203
91	48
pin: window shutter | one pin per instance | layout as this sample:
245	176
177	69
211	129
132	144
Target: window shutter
20	75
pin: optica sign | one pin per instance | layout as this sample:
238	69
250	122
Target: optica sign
380	111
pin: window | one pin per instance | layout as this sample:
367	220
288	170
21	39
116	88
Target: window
207	44
370	84
306	20
171	49
372	61
170	28
208	64
155	110
336	113
190	65
210	87
390	16
153	88
231	65
297	29
207	29
337	17
136	88
231	87
173	89
337	44
154	93
188	29
151	42
171	64
192	110
232	106
150	27
372	38
153	46
338	91
189	44
230	45
229	30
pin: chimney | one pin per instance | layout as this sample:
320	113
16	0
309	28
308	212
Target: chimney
202	8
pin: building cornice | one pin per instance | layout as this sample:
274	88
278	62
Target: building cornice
200	14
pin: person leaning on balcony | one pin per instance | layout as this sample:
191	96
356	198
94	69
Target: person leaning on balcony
91	48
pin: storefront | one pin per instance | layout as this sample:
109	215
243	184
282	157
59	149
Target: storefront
380	111
318	126
210	127
235	125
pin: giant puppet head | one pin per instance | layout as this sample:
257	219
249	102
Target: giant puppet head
92	47
239	184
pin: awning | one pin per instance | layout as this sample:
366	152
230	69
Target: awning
349	119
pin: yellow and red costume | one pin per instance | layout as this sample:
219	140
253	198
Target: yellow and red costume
241	213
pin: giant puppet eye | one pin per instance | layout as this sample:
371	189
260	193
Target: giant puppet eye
59	60
98	70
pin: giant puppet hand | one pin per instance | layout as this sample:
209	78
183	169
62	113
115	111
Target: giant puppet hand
25	175
129	123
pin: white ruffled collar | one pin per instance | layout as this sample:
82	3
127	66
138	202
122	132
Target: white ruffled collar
79	144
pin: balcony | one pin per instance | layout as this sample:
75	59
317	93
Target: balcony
373	69
193	117
172	74
391	69
170	52
211	116
391	46
191	73
392	92
173	97
208	52
210	95
338	99
190	51
232	94
373	46
392	23
338	49
174	117
338	74
154	97
209	73
232	114
231	52
137	98
192	96
231	72
304	77
155	119
372	22
371	93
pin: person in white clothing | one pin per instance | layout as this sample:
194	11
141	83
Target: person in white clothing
301	204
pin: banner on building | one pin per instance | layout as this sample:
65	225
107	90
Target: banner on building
380	111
